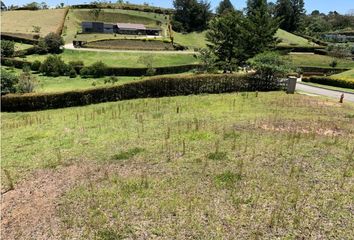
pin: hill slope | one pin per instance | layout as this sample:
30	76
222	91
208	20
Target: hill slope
22	21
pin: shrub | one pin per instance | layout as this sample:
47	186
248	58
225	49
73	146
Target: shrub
98	69
333	64
53	42
26	83
53	66
40	47
85	72
331	82
8	82
112	80
270	66
35	66
150	72
77	65
154	87
7	48
72	73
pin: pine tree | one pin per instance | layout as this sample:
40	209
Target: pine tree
261	28
226	40
224	6
291	12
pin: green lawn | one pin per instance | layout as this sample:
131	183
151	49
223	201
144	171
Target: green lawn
22	46
314	60
122	59
348	75
191	40
64	84
291	40
228	166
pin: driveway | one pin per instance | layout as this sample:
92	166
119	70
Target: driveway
71	47
325	92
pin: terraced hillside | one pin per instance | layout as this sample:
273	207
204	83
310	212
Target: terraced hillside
22	21
76	16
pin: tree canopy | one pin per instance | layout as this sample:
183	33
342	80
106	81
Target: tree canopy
291	12
224	6
191	15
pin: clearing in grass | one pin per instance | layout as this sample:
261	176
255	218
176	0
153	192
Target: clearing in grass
226	166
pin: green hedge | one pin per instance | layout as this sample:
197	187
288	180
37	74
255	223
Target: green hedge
331	82
20	37
307	70
154	87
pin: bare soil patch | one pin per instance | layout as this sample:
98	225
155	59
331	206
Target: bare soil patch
29	211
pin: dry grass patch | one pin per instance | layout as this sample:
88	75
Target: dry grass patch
22	21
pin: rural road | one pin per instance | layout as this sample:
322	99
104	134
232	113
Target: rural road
324	92
70	46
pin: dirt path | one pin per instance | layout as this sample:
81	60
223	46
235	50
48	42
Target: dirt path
70	46
30	211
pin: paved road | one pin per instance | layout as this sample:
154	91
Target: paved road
71	47
324	92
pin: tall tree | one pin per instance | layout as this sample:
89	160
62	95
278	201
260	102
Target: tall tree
224	6
261	28
226	40
191	15
291	12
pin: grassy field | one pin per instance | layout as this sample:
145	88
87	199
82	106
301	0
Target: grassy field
22	46
64	84
348	75
230	166
197	40
75	17
291	40
314	60
191	40
23	21
122	59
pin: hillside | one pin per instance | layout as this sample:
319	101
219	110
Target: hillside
22	21
76	16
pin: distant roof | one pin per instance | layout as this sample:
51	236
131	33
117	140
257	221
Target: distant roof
130	26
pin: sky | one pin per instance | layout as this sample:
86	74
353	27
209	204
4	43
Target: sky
341	6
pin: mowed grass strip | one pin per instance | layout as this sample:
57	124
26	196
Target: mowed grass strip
22	21
347	75
200	167
315	60
123	59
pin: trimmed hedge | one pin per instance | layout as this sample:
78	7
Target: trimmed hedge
331	82
298	49
329	71
20	37
130	7
154	87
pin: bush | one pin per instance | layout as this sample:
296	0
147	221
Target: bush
26	83
98	69
72	73
331	82
40	47
77	65
270	66
154	87
53	42
35	66
8	82
53	66
150	72
112	80
7	48
85	72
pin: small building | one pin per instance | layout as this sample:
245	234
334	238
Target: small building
131	29
92	27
